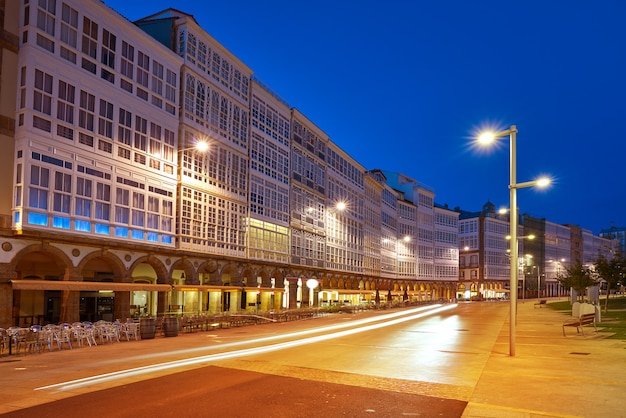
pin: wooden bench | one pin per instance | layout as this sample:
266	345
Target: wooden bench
580	322
541	303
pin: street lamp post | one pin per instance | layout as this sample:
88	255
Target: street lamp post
487	138
538	283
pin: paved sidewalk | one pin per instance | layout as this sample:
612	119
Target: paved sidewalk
551	375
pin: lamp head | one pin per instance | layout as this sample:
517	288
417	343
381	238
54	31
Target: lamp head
543	182
486	138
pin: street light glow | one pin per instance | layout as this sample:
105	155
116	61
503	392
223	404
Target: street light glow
486	138
543	182
202	146
531	237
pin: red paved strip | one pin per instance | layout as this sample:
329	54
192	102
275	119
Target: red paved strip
220	392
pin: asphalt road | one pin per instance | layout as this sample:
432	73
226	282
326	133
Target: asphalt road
385	364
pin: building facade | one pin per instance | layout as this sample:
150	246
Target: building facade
546	250
111	209
616	233
484	260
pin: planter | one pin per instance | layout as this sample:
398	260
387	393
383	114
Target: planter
147	328
170	326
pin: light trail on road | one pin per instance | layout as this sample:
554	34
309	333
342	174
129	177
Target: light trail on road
390	319
318	330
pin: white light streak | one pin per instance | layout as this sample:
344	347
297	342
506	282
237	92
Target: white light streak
394	318
318	330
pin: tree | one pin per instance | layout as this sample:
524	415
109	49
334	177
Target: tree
612	271
577	277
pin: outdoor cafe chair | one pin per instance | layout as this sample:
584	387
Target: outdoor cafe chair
130	329
31	341
63	335
16	337
84	334
45	336
109	332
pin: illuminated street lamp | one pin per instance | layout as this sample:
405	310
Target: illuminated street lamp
487	138
312	285
186	160
201	146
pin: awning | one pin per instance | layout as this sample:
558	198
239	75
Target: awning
87	286
212	288
349	291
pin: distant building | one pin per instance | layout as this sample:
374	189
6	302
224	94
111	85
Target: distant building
435	233
484	261
546	250
616	233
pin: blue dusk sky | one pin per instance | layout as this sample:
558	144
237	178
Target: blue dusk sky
403	85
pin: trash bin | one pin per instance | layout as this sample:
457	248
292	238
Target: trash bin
170	326
147	328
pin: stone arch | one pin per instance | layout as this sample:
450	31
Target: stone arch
160	270
353	282
265	277
248	276
188	273
104	261
279	275
209	273
340	283
230	275
45	261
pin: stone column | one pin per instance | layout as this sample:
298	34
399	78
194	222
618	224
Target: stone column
70	306
70	299
121	302
6	305
121	306
293	294
6	295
